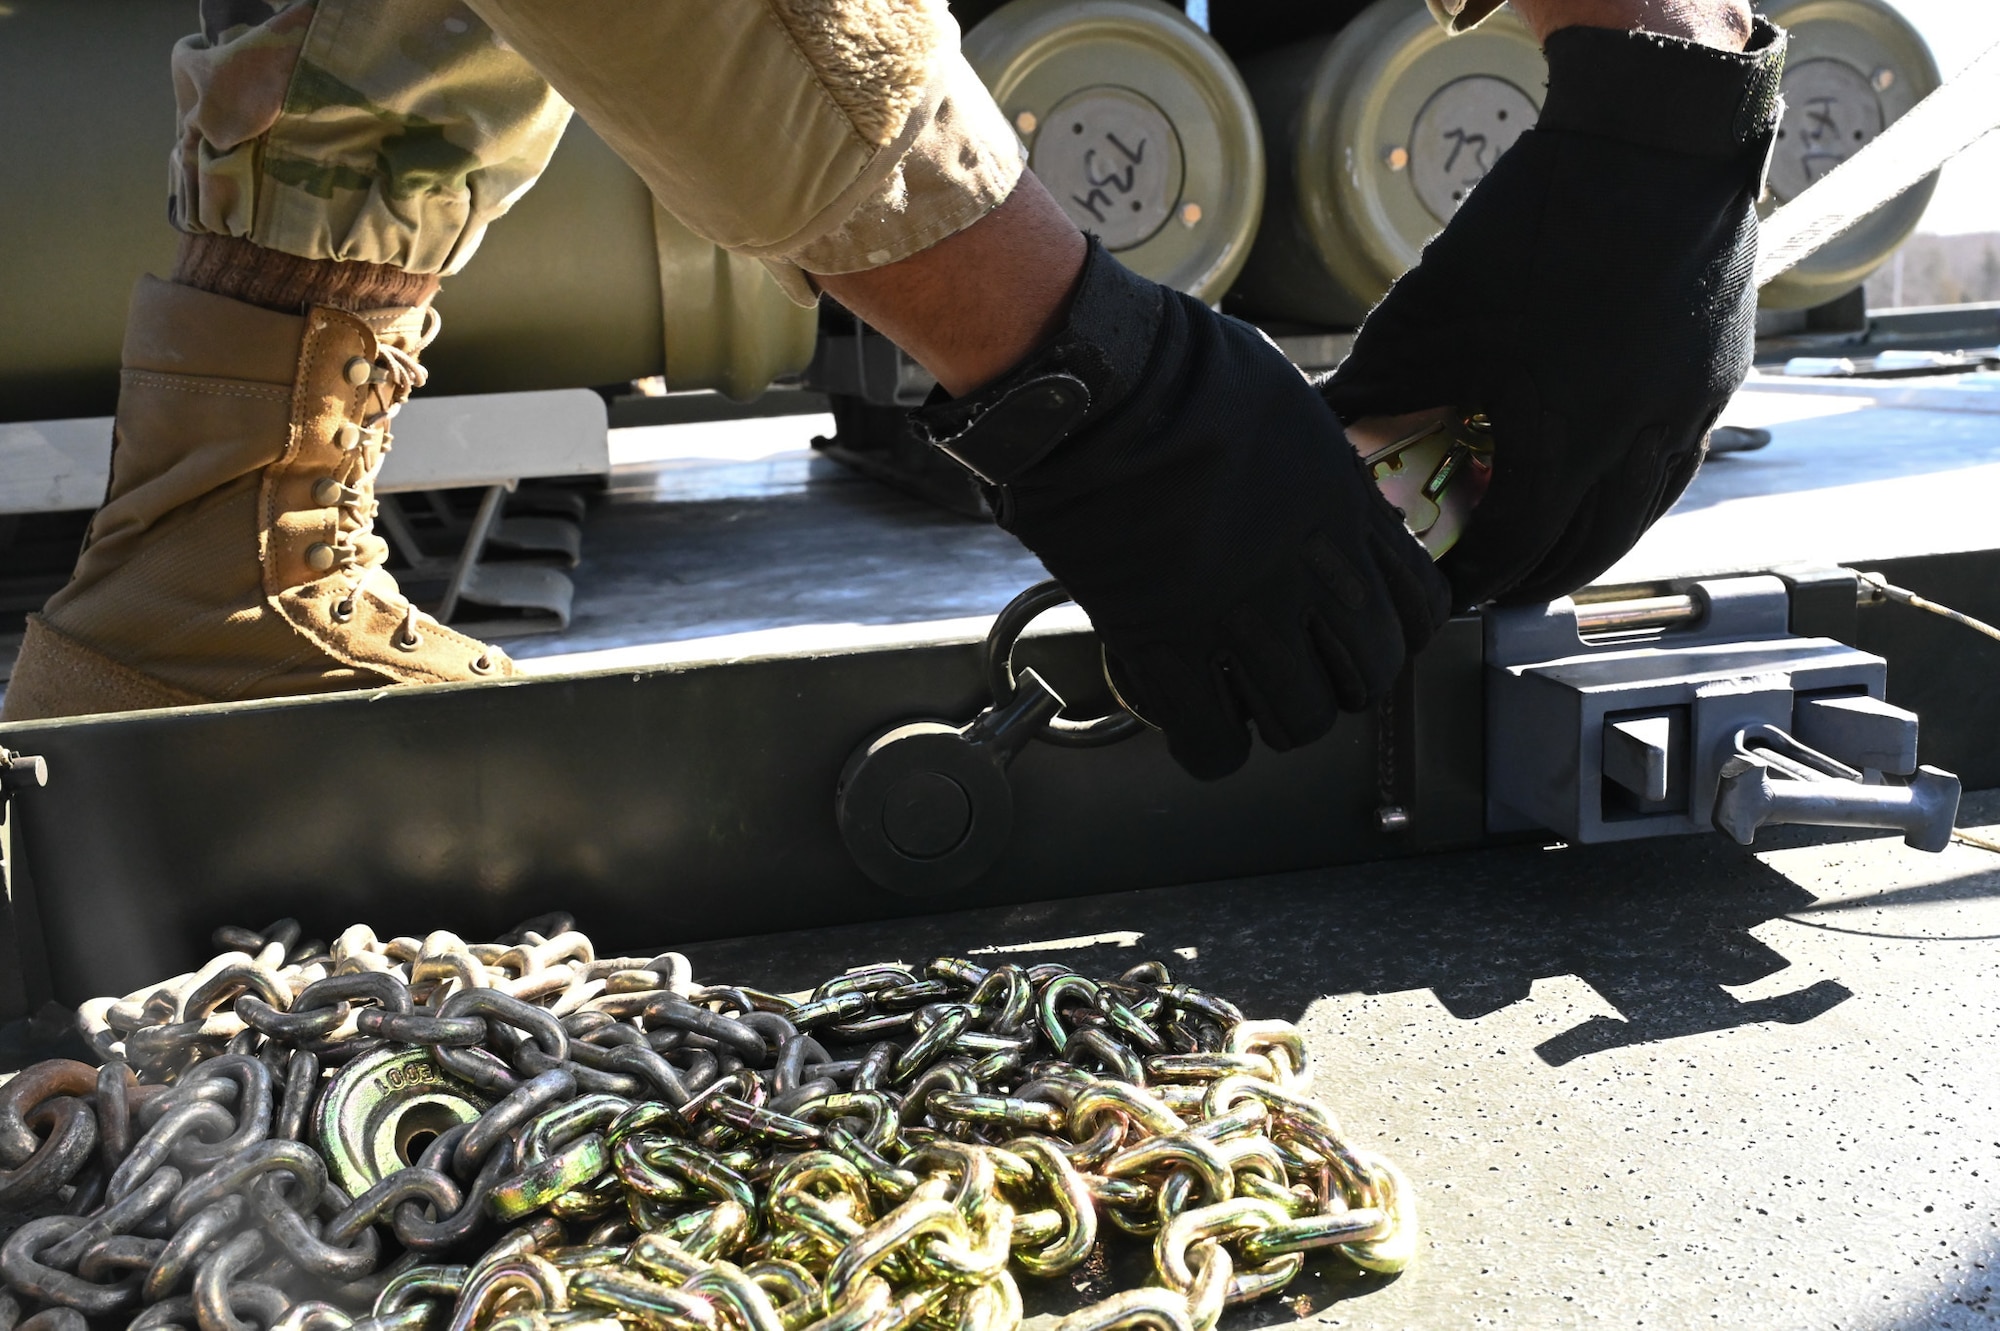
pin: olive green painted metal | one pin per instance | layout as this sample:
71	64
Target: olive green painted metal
685	801
1376	134
1139	125
85	94
567	290
696	800
728	326
1854	68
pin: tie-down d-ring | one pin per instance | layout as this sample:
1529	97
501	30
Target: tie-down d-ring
998	658
925	807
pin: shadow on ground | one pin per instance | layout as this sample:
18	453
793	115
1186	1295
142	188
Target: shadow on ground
1659	930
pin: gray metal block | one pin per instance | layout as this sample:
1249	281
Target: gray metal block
1620	736
1638	753
1861	731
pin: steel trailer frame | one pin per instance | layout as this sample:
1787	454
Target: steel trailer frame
695	801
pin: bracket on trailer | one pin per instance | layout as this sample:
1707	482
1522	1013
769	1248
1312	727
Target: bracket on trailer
1702	710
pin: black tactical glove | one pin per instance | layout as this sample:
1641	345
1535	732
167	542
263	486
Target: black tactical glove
1592	298
1196	496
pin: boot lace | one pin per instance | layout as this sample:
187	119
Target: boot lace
394	375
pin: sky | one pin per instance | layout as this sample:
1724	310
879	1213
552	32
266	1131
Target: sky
1968	197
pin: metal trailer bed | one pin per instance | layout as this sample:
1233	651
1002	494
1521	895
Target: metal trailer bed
1669	1082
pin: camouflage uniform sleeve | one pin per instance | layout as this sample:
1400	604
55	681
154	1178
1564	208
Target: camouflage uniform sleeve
820	136
385	131
1458	15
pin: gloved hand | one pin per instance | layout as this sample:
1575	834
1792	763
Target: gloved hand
1200	501
1592	298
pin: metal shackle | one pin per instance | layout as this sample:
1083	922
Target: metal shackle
925	807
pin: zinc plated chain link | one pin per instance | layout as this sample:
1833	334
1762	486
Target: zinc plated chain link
631	1149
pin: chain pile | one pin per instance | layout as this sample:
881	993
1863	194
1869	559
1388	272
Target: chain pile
429	1134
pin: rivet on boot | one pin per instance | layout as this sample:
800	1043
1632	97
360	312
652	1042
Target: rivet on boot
327	492
358	370
319	556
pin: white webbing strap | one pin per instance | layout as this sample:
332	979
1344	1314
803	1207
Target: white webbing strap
1934	131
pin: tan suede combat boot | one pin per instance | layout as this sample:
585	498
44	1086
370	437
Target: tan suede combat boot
235	555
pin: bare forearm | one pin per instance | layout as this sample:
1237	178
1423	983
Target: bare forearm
973	305
1719	23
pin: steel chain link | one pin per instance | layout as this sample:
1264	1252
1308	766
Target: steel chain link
601	1142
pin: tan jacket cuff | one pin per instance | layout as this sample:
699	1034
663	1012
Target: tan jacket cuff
956	160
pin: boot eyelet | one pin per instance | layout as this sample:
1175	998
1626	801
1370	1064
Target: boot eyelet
482	665
405	642
357	371
327	491
319	557
343	610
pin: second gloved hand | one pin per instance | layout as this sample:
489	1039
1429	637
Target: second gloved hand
1200	501
1592	298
